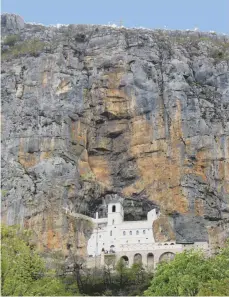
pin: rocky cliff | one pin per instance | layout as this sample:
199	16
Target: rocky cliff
93	112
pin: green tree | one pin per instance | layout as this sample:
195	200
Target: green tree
23	270
138	279
215	287
190	274
219	283
180	276
137	273
122	270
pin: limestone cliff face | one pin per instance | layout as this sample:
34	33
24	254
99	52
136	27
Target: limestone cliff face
94	111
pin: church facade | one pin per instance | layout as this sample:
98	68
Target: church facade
130	240
113	234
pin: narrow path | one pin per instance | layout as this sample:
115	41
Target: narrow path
76	215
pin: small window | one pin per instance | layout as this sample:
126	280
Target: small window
69	246
113	221
110	233
113	208
144	231
137	232
124	232
127	241
130	232
99	236
138	241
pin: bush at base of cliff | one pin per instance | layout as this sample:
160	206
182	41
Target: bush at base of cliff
23	271
191	274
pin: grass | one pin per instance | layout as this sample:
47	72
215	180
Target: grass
4	192
220	55
28	47
219	49
10	40
88	176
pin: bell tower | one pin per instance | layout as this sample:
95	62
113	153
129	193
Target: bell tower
115	213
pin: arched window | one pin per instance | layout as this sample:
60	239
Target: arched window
113	221
125	260
137	232
111	233
124	232
144	231
130	232
168	256
150	260
113	208
138	258
112	248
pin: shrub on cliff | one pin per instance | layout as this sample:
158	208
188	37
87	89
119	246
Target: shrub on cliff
191	274
28	47
23	271
11	40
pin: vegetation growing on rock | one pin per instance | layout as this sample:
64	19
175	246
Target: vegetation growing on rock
28	47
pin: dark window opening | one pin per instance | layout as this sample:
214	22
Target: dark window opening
68	246
113	208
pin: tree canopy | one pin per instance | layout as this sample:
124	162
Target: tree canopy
23	270
191	273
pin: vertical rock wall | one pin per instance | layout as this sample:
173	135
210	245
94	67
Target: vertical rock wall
95	111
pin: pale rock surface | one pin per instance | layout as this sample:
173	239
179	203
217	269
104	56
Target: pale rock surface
101	111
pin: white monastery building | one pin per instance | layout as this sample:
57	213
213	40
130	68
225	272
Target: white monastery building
131	240
113	234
